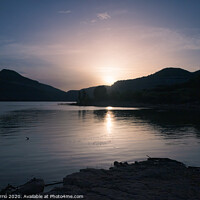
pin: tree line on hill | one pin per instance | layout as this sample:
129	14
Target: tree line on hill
169	85
187	92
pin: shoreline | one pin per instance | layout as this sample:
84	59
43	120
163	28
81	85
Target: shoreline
186	106
154	178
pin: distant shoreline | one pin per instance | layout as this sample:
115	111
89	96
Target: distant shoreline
186	106
35	101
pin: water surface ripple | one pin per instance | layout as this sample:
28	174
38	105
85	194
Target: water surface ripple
64	138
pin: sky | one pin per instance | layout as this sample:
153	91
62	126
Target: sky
73	44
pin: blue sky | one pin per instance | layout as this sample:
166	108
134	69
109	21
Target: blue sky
72	44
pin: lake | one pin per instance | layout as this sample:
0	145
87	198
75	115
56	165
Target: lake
65	138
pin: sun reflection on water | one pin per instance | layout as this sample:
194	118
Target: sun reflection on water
109	108
109	122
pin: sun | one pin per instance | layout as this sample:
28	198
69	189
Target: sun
109	80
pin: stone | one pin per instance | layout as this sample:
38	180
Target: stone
152	179
34	186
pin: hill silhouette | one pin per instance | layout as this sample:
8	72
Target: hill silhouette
169	85
166	76
15	87
187	92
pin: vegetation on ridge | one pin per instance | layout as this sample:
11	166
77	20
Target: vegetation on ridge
183	88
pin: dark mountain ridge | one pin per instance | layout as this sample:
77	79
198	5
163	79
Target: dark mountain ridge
15	87
167	86
166	76
187	92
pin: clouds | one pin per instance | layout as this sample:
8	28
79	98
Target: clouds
169	39
113	13
42	51
99	17
64	11
98	51
103	16
76	39
93	21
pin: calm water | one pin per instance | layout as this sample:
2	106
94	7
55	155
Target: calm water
65	138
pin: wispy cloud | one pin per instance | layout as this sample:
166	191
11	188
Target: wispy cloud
171	39
64	11
106	16
37	50
4	41
93	21
103	16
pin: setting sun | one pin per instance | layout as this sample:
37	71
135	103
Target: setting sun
109	80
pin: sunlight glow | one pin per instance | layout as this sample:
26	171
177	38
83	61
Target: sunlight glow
109	108
109	80
108	122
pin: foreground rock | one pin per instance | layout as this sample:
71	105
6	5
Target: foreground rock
34	186
154	179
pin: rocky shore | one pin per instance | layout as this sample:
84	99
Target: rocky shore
153	179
